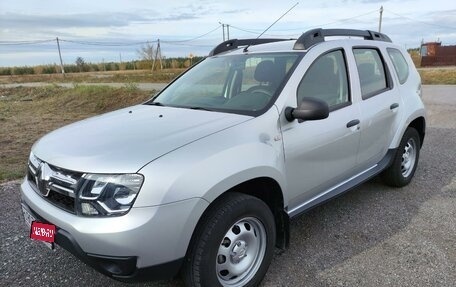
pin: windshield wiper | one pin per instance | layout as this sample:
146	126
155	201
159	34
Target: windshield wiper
193	108
200	108
156	104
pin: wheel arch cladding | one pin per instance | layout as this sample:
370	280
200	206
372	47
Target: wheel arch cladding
269	191
419	124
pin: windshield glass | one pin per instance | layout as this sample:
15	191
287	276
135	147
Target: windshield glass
237	83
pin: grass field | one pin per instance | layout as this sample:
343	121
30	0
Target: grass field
438	76
26	114
429	76
138	76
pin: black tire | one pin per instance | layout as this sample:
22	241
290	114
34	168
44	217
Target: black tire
401	171
254	222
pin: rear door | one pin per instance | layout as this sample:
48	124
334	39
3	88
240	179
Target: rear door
380	105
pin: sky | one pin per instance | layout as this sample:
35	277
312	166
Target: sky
113	30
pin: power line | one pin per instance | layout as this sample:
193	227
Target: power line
419	21
105	44
181	42
344	19
185	44
26	42
198	37
245	30
267	34
252	31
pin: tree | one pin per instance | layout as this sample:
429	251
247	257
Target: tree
80	63
146	52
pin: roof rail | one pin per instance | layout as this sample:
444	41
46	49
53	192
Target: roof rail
315	36
236	43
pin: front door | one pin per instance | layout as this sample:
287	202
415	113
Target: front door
320	154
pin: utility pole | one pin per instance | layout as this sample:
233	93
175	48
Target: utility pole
223	31
157	55
60	55
228	31
380	20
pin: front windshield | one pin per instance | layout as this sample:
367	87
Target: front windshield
237	83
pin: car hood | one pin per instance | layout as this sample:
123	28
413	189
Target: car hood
123	141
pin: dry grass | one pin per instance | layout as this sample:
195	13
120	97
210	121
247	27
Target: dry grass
138	76
438	76
26	114
430	76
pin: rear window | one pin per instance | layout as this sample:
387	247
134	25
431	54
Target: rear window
371	70
400	64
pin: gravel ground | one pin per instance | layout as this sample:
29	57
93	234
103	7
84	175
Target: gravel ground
372	236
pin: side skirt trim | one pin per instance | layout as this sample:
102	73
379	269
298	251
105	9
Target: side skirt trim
344	186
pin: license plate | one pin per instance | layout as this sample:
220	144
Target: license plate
28	217
45	233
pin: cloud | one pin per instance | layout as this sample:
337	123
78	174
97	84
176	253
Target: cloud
67	21
368	1
405	21
444	18
374	1
23	21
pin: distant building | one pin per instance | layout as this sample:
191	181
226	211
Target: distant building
434	54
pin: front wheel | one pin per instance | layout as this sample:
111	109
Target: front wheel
233	245
401	171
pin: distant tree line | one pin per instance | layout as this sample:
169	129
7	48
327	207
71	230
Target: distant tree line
81	66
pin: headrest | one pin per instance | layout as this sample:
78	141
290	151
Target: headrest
264	71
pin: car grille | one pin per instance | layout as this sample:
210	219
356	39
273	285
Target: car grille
56	185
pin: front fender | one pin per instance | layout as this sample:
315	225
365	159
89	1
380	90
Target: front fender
210	166
219	173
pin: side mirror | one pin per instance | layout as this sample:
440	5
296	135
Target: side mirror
310	109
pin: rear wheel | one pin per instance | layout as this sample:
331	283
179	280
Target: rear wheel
401	171
233	245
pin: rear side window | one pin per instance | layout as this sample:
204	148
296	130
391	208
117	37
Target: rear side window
400	64
327	80
371	71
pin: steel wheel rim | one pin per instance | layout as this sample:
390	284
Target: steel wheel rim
408	157
241	252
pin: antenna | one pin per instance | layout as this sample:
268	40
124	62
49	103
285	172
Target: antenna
246	48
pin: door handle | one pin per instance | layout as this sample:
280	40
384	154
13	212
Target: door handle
394	106
352	123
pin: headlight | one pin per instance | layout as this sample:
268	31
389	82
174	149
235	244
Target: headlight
108	194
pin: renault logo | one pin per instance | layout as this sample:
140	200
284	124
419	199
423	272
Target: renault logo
43	177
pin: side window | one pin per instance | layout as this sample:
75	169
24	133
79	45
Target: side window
327	80
371	71
400	64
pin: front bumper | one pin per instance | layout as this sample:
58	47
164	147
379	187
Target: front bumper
146	243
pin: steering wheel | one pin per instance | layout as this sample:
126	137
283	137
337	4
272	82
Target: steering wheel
259	89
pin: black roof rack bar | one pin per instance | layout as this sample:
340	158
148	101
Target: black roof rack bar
236	43
312	37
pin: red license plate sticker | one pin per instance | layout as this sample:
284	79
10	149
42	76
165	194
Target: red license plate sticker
42	231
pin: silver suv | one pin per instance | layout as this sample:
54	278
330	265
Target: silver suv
205	177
